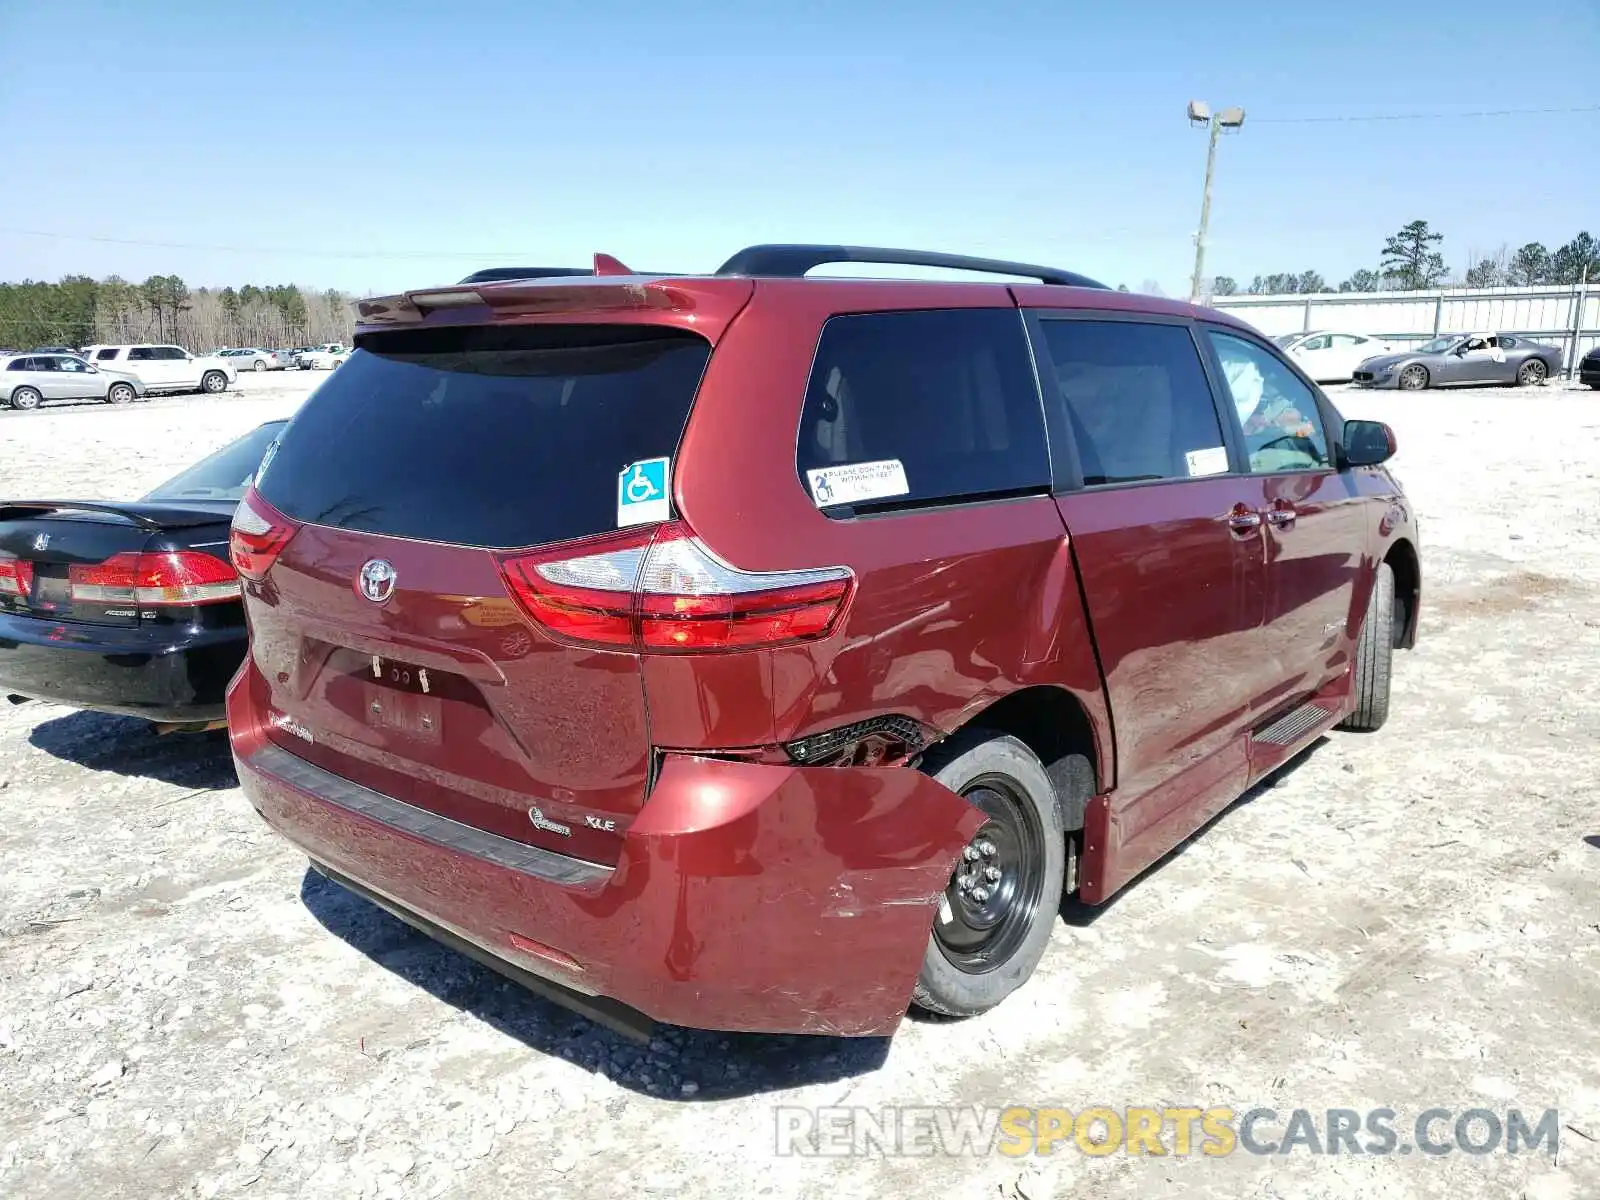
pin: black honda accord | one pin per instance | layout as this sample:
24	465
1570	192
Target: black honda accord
134	607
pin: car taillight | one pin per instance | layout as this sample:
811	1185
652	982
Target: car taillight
661	591
258	535
16	576
156	580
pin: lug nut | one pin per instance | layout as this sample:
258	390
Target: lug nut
980	894
986	848
992	874
970	854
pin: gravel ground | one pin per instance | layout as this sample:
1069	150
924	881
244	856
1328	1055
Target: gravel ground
1406	919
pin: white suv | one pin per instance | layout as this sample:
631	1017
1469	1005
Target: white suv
166	368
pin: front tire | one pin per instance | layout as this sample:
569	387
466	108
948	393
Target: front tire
994	919
1532	373
120	393
1374	661
214	382
25	398
1414	378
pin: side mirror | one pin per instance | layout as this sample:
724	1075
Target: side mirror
1367	443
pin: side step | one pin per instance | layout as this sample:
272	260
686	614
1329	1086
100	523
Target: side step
1291	726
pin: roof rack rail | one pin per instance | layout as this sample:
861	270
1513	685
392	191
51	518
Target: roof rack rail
793	261
496	274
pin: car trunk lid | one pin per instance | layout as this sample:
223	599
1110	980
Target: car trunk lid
102	563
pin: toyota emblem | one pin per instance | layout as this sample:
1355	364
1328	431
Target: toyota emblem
376	581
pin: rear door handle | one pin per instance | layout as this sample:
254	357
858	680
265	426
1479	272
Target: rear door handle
1242	519
1280	516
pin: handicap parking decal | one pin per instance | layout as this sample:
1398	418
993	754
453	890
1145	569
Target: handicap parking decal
642	492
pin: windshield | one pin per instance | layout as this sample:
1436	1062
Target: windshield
224	475
1286	340
1438	345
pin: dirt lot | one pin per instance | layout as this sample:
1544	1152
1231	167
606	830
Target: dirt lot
1409	919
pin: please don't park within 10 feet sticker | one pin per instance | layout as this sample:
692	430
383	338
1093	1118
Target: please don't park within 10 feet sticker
851	483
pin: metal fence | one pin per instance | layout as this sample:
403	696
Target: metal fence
1558	315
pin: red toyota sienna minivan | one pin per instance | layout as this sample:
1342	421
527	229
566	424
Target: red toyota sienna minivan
760	652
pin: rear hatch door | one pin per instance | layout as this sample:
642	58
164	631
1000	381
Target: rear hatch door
427	452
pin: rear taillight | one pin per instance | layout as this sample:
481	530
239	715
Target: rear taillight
179	577
661	591
258	535
16	576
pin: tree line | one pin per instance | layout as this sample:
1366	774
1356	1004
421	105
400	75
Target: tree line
1411	262
80	311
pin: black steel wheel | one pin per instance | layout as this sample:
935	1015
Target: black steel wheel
992	923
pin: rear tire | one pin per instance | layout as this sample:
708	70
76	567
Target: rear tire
120	393
1532	373
1002	901
1374	659
260	365
25	398
214	382
1414	378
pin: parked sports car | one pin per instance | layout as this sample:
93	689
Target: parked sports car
1462	358
129	607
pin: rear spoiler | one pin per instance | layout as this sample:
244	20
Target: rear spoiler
145	516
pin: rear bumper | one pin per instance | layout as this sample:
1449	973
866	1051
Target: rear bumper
746	898
122	671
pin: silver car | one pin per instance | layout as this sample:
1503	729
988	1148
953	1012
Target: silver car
252	359
28	379
1462	358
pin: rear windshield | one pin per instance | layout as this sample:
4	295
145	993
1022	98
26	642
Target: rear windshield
225	474
499	436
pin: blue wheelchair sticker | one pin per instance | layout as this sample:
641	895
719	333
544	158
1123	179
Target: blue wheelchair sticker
642	496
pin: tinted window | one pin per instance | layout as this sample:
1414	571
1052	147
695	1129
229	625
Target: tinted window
170	352
948	394
1137	400
1282	427
46	363
491	436
102	355
1507	342
18	364
141	353
225	474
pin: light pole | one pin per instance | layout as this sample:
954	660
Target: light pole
1229	118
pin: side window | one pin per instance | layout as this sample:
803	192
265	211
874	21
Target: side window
1136	399
46	364
1282	427
70	364
20	364
1507	342
912	408
170	352
1345	341
1320	342
106	354
141	354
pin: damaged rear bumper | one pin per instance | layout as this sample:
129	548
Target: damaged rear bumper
747	897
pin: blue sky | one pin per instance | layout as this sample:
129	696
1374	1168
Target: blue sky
375	146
